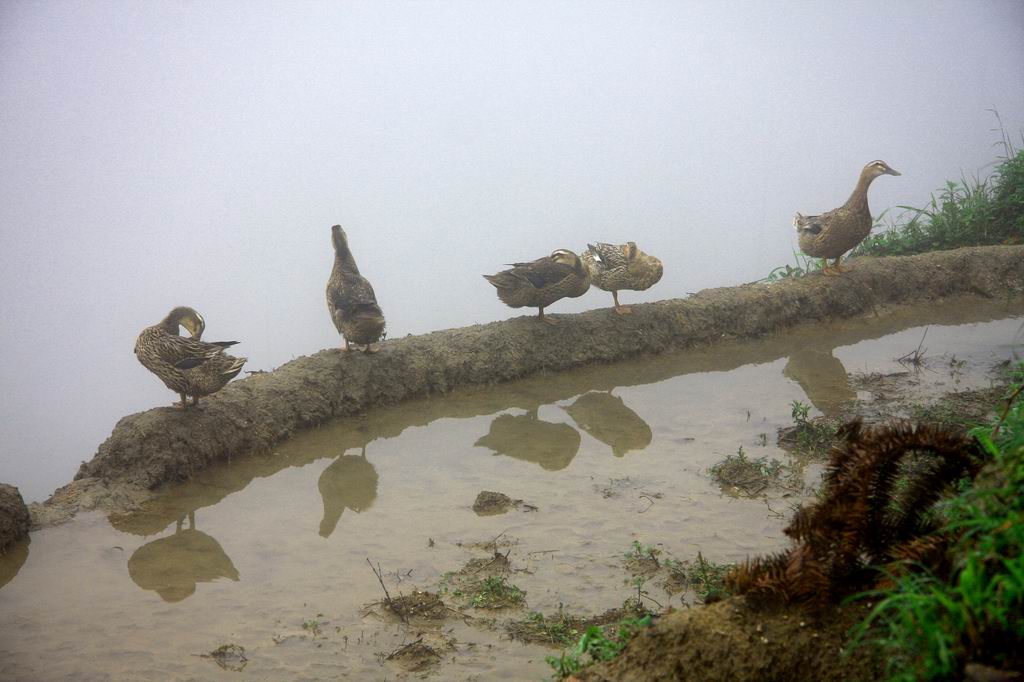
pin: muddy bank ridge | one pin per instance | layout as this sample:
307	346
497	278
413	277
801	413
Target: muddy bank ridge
165	444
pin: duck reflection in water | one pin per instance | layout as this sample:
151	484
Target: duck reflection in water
530	439
822	377
605	417
349	482
172	565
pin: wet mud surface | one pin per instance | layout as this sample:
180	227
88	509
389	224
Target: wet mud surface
268	553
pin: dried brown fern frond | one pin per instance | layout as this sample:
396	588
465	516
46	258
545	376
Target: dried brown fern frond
759	577
863	516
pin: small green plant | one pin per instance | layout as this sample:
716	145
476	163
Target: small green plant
636	603
640	551
746	474
495	592
558	629
803	265
808	435
706	578
312	626
799	410
595	645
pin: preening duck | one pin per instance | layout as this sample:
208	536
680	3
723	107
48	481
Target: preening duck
540	283
615	267
187	366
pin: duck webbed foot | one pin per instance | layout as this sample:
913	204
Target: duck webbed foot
371	349
837	267
620	309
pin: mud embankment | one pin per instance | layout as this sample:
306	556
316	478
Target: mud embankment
165	444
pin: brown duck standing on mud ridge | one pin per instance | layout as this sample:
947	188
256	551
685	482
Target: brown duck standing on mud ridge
540	283
832	234
615	267
350	299
190	367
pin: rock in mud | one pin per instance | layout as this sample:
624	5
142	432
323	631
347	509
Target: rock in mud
489	503
229	657
14	518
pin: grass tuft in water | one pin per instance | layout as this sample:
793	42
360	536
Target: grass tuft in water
749	475
706	578
495	592
560	628
808	435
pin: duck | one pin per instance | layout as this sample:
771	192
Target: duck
621	266
541	282
187	366
350	299
832	234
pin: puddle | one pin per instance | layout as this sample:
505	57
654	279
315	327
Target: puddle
269	554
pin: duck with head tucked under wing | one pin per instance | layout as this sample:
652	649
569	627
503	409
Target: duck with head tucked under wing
188	366
540	283
350	298
832	234
621	266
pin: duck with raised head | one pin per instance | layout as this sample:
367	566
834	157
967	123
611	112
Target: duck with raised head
615	267
540	283
187	366
350	298
832	234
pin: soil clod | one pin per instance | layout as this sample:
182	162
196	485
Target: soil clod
490	503
415	656
229	657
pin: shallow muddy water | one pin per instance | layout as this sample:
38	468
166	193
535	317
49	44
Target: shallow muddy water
250	552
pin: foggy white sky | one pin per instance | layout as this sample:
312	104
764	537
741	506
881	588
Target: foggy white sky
158	154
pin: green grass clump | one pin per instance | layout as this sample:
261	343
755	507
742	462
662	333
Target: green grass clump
931	622
560	628
705	578
971	212
803	265
640	551
312	626
495	593
810	435
597	644
748	475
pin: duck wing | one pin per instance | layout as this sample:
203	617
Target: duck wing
542	272
812	224
608	256
188	353
354	290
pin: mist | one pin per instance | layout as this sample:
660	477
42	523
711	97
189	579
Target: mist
163	154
